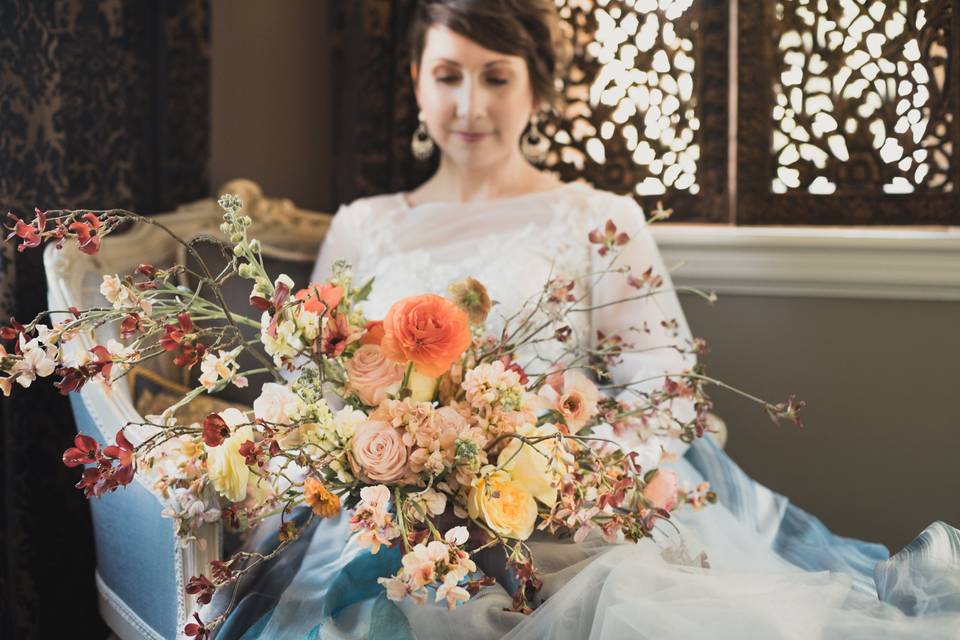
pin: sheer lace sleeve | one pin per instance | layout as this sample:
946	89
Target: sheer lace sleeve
341	242
654	326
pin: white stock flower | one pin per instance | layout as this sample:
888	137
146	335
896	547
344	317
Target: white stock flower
278	404
346	420
309	323
37	362
649	448
117	293
457	536
283	279
222	366
285	344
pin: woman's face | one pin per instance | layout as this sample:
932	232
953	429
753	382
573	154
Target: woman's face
476	102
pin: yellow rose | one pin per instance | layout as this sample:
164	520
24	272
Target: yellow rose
227	468
529	464
504	505
421	386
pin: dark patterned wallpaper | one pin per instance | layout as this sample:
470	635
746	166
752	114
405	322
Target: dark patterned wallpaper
103	103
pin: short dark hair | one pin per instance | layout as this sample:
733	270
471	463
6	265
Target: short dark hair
526	28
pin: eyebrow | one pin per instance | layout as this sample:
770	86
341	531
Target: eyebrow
489	64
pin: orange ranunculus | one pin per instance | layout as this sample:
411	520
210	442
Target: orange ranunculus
374	332
428	330
320	296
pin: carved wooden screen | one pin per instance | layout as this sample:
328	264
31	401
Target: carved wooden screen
646	102
847	112
845	108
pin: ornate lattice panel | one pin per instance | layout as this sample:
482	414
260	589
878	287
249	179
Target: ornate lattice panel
645	109
848	112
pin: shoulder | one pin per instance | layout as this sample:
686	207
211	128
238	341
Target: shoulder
599	205
357	213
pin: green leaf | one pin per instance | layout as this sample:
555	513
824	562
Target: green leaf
363	292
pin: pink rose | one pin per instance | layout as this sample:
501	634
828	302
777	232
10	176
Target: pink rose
372	375
379	451
661	491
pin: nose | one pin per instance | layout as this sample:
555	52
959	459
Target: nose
472	101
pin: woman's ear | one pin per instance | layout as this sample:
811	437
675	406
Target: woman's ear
414	76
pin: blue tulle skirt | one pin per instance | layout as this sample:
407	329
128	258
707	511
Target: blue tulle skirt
779	566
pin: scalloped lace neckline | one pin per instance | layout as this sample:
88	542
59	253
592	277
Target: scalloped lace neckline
406	206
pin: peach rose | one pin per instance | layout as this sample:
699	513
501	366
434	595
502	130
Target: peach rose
372	376
428	330
578	403
379	451
661	491
320	296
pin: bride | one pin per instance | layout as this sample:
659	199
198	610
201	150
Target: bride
752	565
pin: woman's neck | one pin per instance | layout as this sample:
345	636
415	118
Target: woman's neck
453	184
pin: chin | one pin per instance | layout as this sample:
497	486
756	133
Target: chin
478	158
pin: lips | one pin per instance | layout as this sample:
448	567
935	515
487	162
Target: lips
471	137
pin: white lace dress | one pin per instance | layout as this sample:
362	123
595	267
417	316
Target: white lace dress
774	571
514	246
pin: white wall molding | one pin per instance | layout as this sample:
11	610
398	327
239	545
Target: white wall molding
893	264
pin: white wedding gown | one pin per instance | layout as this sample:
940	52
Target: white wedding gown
773	570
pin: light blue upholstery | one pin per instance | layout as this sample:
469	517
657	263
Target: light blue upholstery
141	570
135	545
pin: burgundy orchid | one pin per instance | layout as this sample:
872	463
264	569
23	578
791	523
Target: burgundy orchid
29	233
251	453
215	430
197	629
86	450
88	233
510	365
179	335
13	331
609	238
131	325
105	476
175	333
202	588
280	295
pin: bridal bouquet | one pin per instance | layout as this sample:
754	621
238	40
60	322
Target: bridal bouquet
426	426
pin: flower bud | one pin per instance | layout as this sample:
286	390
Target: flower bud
238	250
255	245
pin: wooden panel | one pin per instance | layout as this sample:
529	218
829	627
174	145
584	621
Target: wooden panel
847	113
646	103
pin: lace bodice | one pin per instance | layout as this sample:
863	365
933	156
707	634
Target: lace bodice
513	246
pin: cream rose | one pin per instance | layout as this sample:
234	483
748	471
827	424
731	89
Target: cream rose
529	464
279	405
226	467
372	376
504	505
422	387
379	451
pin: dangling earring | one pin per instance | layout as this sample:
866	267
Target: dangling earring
534	145
422	144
